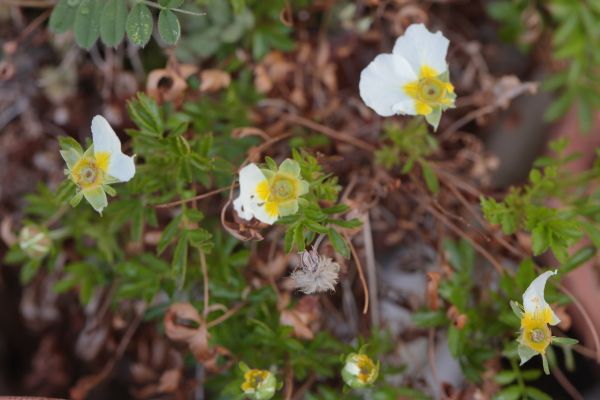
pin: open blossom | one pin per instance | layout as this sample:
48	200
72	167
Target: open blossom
267	195
535	334
413	80
259	384
99	166
359	370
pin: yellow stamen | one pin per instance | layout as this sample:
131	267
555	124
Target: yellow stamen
429	91
86	173
253	378
535	332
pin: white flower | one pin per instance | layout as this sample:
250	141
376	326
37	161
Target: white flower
249	204
533	299
413	80
101	165
267	195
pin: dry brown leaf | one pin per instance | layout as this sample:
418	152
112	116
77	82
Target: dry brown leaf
213	80
303	318
432	290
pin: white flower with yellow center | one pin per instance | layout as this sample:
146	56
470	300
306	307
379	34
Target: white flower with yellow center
413	80
360	370
267	195
259	384
535	334
101	165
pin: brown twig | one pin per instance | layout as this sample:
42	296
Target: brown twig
371	270
361	274
228	314
200	196
204	268
566	384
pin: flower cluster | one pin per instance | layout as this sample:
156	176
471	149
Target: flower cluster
413	80
101	165
266	194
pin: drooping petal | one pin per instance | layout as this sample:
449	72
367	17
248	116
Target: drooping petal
108	145
525	353
533	298
423	48
96	197
381	85
121	167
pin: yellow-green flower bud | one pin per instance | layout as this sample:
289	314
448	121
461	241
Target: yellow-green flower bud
259	384
359	370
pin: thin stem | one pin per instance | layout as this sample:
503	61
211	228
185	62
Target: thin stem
179	10
204	268
361	274
200	196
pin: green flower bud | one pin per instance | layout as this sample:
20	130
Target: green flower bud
359	370
259	384
34	241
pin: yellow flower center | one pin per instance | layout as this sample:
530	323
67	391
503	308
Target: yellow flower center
253	379
282	188
366	367
535	331
429	91
89	172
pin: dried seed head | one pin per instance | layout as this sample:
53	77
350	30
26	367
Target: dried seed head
316	273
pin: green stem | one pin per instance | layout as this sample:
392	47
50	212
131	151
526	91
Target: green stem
179	10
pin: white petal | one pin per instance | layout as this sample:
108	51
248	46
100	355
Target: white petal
121	167
533	298
261	214
352	368
104	137
381	85
421	47
246	205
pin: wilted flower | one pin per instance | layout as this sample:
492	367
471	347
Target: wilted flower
359	370
259	384
101	165
267	195
34	241
316	273
413	80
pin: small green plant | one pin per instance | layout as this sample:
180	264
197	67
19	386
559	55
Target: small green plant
555	228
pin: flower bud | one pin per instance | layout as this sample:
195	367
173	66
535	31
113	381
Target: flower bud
259	384
359	370
34	241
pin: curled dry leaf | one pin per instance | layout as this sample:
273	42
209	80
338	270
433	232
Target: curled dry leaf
184	324
213	80
249	131
169	84
303	318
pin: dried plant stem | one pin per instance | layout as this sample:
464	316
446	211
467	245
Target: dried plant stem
342	137
371	270
204	268
361	274
566	384
228	314
200	196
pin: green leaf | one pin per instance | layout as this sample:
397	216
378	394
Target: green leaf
139	24
180	260
564	340
536	394
505	377
429	319
168	26
510	393
339	243
87	22
299	237
431	179
170	3
112	22
578	259
63	16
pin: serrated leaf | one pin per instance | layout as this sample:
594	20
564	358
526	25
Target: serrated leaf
87	23
139	24
112	22
63	16
505	377
168	26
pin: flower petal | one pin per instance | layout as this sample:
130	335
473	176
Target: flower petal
247	202
421	47
381	85
96	197
121	167
533	298
290	167
261	214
